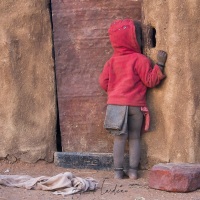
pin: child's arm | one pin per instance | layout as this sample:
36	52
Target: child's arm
161	59
152	77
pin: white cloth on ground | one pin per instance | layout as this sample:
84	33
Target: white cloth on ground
63	183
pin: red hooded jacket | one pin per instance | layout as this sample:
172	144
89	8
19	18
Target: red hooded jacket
128	73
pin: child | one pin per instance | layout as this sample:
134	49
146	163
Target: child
126	77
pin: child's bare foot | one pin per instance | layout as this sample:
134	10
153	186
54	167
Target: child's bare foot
119	173
132	174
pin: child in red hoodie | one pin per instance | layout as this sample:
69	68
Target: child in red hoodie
126	77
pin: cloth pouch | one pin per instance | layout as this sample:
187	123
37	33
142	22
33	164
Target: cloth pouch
116	119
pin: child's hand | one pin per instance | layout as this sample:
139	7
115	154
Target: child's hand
161	58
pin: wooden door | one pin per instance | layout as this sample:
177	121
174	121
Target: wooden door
82	47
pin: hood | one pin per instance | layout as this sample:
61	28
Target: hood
123	37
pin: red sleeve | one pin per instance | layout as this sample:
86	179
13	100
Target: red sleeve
104	77
150	77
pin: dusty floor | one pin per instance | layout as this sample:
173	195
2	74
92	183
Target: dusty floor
107	188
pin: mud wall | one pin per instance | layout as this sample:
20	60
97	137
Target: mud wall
27	100
27	111
175	111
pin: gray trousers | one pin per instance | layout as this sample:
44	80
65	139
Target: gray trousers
135	120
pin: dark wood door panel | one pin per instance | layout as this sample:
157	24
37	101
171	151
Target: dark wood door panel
82	47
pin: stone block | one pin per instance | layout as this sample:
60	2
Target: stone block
175	177
97	161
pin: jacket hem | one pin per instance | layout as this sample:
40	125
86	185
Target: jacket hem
123	103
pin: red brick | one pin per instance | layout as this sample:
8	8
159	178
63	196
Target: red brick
175	177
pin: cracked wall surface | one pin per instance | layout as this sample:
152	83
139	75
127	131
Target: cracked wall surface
175	112
27	100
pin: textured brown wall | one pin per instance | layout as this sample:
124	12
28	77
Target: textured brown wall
27	100
175	130
27	111
82	47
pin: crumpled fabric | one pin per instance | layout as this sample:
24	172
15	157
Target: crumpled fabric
146	123
62	184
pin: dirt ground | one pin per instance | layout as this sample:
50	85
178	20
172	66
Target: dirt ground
108	188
